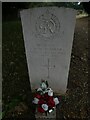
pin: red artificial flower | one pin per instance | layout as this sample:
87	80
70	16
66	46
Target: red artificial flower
51	103
40	109
46	97
42	80
38	96
40	102
42	96
50	98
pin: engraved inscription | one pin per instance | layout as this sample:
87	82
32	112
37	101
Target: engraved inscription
47	25
46	51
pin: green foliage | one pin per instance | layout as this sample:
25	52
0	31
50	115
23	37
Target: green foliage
58	4
10	106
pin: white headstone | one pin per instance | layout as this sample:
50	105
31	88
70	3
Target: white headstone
48	36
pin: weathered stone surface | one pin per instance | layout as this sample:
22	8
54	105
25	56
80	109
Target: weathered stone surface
48	36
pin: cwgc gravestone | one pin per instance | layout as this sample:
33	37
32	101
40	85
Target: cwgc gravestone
48	36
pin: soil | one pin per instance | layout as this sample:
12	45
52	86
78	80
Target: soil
17	95
75	104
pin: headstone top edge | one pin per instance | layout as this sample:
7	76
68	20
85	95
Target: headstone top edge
50	7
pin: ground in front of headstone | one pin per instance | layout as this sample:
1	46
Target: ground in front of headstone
43	116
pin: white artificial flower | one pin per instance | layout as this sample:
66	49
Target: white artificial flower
56	101
46	91
43	85
36	100
50	92
39	89
45	107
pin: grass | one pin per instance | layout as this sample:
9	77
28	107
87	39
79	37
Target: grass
14	62
15	74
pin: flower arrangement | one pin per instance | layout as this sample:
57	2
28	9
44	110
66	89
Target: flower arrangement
44	98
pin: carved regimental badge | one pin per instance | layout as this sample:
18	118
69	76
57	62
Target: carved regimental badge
47	25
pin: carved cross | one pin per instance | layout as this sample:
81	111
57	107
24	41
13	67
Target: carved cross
48	67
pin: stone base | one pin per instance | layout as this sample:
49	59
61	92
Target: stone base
42	116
